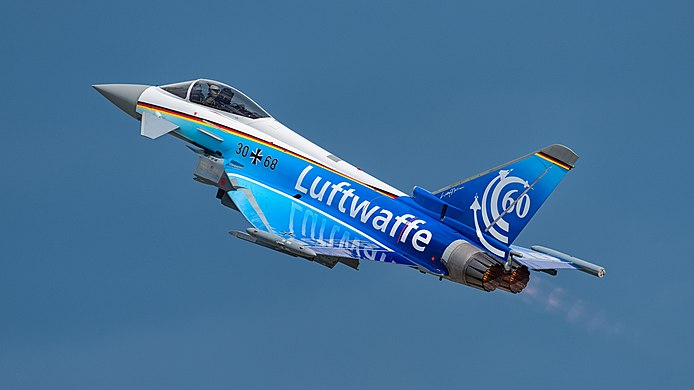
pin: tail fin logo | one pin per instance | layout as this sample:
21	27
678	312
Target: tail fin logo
501	197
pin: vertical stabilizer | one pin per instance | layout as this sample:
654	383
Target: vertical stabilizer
499	203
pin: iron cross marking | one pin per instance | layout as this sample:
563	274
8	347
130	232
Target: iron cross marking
256	156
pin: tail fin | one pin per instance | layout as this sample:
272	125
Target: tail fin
501	201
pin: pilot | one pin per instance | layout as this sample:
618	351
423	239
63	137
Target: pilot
212	96
196	94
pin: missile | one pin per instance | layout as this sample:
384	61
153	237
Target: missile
582	265
275	242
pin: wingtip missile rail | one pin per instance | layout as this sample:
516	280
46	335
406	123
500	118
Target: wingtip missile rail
582	265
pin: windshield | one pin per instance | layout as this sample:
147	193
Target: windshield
178	89
223	97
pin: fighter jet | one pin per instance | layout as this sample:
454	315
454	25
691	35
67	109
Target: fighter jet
306	202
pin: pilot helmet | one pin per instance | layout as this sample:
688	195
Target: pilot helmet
214	88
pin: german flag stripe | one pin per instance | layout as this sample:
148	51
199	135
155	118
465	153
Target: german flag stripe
553	160
249	137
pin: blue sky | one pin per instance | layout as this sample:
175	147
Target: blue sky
116	269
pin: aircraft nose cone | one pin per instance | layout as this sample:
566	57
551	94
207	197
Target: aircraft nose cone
124	96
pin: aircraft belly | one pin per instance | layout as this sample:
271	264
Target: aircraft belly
276	212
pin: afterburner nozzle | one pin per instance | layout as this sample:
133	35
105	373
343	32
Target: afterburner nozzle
124	96
491	278
516	280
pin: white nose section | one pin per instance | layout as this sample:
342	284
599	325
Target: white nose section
124	96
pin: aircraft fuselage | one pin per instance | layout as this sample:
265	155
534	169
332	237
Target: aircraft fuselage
339	209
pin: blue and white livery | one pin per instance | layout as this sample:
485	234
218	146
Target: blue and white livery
306	202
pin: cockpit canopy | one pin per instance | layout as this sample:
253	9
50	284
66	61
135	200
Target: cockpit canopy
218	96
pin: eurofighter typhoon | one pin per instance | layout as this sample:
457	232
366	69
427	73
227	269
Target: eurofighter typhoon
303	201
